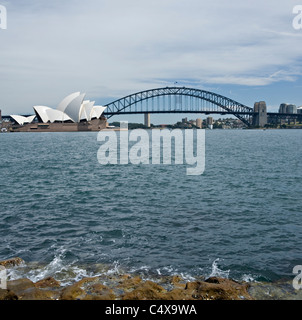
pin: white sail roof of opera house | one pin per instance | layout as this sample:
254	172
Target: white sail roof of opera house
22	120
66	101
97	111
47	114
86	108
73	107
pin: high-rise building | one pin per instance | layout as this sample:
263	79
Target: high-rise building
287	108
282	108
291	108
199	123
210	121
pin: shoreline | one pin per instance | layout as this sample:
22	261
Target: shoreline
115	285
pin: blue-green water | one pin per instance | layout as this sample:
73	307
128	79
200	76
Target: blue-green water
242	218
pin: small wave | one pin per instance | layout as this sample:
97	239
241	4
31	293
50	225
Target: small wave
217	272
248	278
147	273
115	269
68	272
58	268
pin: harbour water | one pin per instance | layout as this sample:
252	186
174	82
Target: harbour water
66	215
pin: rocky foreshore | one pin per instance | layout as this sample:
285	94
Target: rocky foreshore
130	287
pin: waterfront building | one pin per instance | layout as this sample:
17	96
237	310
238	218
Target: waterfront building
210	121
282	108
73	113
199	123
287	108
291	108
73	108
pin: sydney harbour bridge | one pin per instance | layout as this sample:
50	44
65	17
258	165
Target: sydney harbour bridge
190	100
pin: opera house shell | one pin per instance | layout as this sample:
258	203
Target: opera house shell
23	120
73	113
72	108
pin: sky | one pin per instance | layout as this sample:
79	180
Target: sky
245	50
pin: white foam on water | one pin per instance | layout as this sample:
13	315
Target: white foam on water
116	269
248	278
58	268
217	272
68	272
170	271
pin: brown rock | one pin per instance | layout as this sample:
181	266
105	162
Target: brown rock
73	292
98	288
7	295
178	282
127	288
178	294
77	290
218	289
40	294
129	284
25	289
176	279
100	297
125	276
20	286
48	283
146	291
98	291
11	262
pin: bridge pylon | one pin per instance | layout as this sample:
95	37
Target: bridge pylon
147	120
260	116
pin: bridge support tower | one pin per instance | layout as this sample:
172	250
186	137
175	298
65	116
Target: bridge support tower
147	120
260	118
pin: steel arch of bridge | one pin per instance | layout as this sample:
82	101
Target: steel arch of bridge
216	103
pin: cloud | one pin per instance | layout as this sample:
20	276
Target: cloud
110	48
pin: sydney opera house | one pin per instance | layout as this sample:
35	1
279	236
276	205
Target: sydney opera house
73	113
